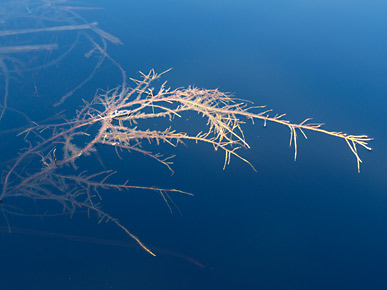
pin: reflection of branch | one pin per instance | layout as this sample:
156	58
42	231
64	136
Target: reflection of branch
99	241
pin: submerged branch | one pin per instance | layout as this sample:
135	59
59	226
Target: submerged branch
48	29
27	48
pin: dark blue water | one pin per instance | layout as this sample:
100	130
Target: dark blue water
311	224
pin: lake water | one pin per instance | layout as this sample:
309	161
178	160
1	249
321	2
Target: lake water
311	224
